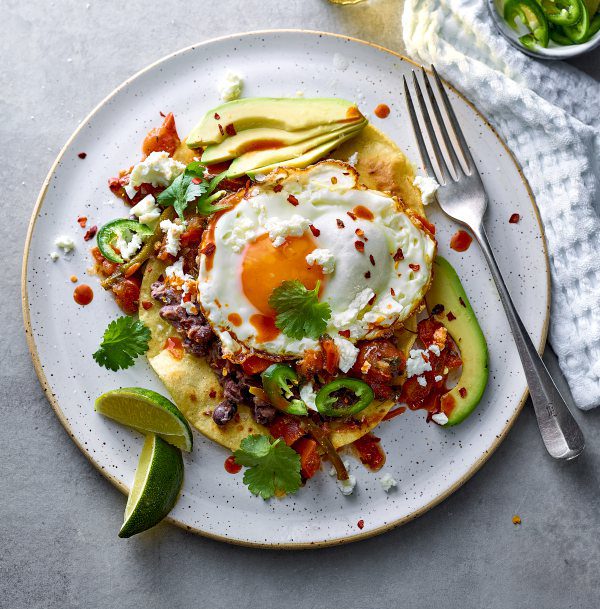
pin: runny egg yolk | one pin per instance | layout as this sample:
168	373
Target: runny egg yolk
265	267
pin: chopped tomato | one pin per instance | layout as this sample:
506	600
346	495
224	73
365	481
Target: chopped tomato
164	138
193	232
287	428
310	364
309	457
255	364
332	355
369	451
104	266
378	361
127	294
413	393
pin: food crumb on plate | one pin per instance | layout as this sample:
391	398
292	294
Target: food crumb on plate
516	520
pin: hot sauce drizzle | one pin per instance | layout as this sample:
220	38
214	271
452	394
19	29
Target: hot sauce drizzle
83	294
461	240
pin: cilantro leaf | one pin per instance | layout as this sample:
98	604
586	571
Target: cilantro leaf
299	312
273	467
124	339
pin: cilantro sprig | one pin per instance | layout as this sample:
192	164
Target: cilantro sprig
124	339
189	186
299	312
273	467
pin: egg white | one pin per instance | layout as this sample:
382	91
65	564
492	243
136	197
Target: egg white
325	193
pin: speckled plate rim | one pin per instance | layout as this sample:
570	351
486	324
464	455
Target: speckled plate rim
123	487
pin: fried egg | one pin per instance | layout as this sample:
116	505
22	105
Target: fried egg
371	257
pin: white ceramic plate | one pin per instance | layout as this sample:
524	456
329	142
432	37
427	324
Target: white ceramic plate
429	462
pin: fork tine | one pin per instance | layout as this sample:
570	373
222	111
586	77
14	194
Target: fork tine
442	125
444	169
417	131
462	143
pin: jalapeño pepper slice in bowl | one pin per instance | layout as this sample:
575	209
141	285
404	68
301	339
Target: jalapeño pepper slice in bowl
530	13
277	382
357	395
579	32
563	12
120	228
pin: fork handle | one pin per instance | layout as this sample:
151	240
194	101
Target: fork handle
560	432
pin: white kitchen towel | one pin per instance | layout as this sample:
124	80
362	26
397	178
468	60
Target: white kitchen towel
549	115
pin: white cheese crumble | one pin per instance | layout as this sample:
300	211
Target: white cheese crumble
65	243
438	378
347	486
146	211
348	353
387	482
353	159
279	228
323	257
230	86
417	363
176	270
158	169
241	233
173	232
422	381
440	418
128	248
435	349
428	187
190	307
54	256
229	344
308	396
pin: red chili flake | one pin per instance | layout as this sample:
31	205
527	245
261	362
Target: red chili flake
208	249
359	232
372	259
196	180
278	188
360	524
333	180
353	216
217	117
368	275
438	309
463	392
414	267
450	316
162	113
392	292
91	233
399	255
146	304
514	218
230	130
340	224
221	129
344	333
292	199
82	155
462	302
314	230
359	245
372	299
212	394
82	221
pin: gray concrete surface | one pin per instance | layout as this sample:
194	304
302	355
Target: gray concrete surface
59	517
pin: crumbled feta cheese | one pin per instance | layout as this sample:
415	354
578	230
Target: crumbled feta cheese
65	243
428	187
158	169
417	363
308	396
128	248
176	270
54	256
347	486
435	349
279	229
229	344
422	381
190	307
387	482
348	353
173	232
440	418
323	257
230	86
353	159
241	233
438	378
146	211
130	191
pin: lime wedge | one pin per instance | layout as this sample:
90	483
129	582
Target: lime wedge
147	412
156	485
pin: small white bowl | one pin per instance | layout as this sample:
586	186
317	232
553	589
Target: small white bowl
553	51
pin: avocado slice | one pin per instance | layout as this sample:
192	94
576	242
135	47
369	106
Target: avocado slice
447	290
289	114
261	138
251	161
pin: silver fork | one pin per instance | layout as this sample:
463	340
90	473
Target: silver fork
462	196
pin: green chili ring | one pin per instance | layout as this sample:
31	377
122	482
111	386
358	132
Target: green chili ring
277	380
324	401
563	12
115	228
532	16
579	32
